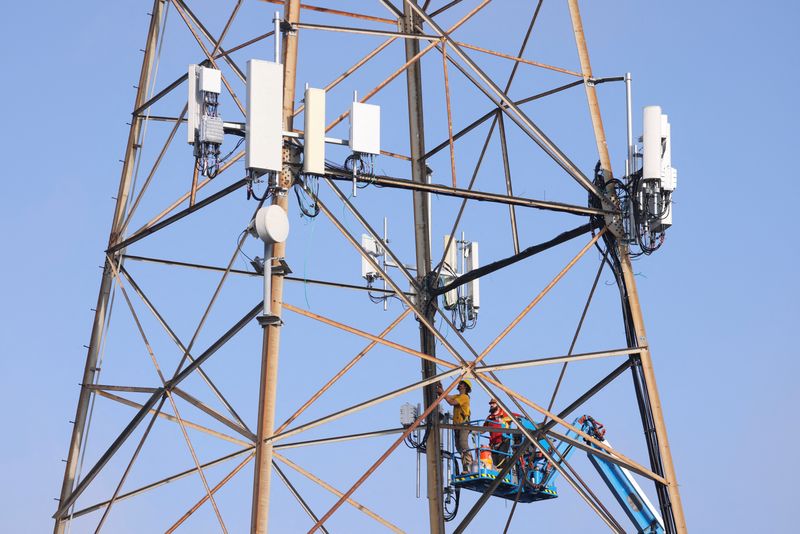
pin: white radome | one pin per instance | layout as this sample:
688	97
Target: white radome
272	224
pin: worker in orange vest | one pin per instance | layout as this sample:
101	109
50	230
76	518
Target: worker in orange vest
498	441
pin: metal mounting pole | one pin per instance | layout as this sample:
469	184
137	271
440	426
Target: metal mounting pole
423	253
639	337
268	255
629	124
271	342
90	370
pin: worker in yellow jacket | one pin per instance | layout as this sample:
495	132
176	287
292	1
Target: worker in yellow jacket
461	415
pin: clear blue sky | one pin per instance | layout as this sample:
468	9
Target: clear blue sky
720	298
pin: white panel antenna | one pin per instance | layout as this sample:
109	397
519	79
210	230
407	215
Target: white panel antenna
651	143
314	132
193	111
365	128
450	257
473	288
373	249
209	80
669	178
450	271
264	128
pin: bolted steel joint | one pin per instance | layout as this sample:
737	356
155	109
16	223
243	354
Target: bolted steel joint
291	165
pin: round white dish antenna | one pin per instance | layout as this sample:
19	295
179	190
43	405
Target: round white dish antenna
272	224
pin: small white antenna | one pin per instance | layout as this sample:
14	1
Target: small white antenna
277	22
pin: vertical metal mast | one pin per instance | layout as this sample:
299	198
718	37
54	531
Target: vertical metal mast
90	370
639	337
271	343
423	253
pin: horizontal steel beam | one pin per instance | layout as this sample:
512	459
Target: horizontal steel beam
365	31
338	12
339	439
311	281
399	183
127	389
558	359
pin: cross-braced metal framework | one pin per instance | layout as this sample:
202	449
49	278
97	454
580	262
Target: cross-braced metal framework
189	309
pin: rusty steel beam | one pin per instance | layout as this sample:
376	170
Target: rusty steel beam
670	501
339	12
90	372
367	335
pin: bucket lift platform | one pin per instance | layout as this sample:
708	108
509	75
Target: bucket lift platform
507	489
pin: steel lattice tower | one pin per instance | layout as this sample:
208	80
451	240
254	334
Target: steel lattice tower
181	349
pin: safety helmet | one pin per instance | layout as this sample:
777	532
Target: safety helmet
467	383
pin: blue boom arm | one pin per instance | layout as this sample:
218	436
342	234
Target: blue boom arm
626	490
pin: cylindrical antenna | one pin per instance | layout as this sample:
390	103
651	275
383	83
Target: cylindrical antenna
277	22
629	163
462	252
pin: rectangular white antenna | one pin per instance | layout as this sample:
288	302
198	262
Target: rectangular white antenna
264	128
314	136
365	128
370	245
473	288
450	257
193	112
669	176
651	143
450	271
209	80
